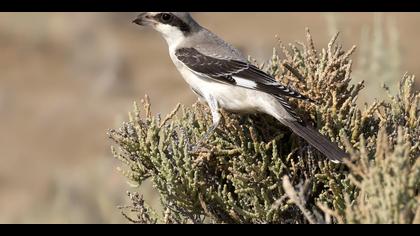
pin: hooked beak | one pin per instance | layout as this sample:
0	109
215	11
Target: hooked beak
142	19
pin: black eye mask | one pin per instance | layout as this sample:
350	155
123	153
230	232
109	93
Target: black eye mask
173	21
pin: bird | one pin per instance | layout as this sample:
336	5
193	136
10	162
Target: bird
221	76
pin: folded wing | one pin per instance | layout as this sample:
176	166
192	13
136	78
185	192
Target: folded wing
234	72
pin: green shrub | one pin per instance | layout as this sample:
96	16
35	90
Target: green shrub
254	170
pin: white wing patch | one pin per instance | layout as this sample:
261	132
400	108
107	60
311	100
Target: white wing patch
245	82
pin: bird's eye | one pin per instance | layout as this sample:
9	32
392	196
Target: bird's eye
165	17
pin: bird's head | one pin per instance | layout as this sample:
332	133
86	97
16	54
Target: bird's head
170	24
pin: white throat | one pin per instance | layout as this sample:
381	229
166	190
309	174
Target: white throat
171	34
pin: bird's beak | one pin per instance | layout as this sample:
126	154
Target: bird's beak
142	19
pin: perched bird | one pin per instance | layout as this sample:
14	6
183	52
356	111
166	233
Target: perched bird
221	76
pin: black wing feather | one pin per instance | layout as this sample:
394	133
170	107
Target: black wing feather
223	70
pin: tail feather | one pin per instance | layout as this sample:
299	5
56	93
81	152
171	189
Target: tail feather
316	139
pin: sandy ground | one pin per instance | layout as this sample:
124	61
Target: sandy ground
66	78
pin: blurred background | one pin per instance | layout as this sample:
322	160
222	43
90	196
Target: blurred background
66	78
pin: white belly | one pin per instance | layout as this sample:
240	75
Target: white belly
230	98
233	98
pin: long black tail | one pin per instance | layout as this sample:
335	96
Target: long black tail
320	142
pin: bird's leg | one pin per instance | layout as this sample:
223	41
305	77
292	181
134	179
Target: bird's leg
214	108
